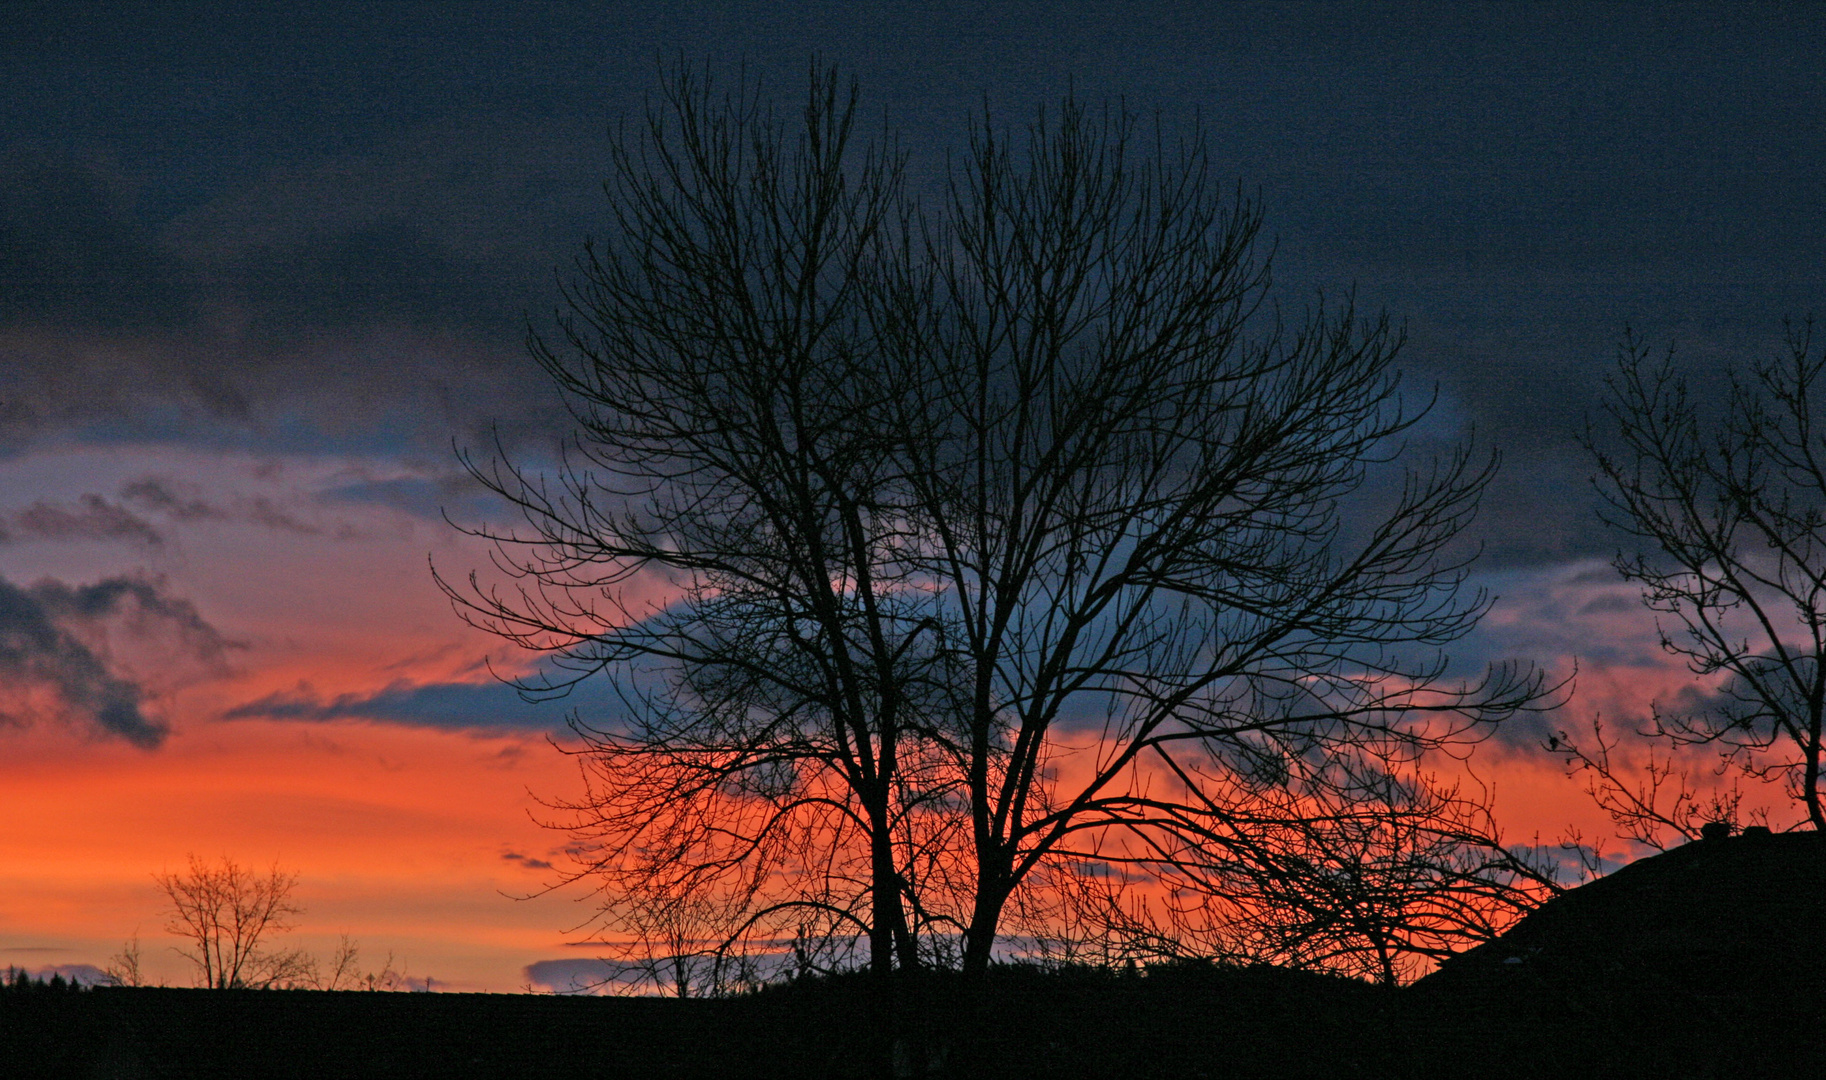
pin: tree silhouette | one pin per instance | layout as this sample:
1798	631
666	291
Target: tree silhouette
1135	511
730	447
228	914
1731	516
936	549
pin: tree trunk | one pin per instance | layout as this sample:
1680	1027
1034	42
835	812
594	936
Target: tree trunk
979	939
887	919
1816	813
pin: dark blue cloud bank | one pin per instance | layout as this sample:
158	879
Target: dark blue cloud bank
321	230
484	706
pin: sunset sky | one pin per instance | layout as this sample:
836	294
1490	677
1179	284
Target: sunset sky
259	274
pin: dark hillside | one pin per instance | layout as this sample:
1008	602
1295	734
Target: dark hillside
1706	960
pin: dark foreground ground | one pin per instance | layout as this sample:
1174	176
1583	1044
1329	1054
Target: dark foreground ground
1706	962
1210	1023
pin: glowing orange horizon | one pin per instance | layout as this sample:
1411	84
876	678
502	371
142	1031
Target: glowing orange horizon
407	837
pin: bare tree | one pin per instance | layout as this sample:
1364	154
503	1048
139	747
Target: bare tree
124	967
986	538
1731	513
1137	513
1653	798
729	449
1380	888
228	913
678	943
344	971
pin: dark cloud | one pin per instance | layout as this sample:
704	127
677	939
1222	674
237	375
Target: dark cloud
452	226
1581	609
394	273
1578	617
368	306
162	495
37	654
390	392
184	502
62	650
337	244
93	518
261	511
526	860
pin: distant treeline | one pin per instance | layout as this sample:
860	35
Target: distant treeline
17	980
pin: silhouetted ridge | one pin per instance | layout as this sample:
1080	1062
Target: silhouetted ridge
1749	902
1704	961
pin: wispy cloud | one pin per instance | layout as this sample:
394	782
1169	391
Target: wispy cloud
92	518
526	860
159	494
183	502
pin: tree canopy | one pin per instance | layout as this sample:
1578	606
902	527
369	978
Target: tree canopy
951	553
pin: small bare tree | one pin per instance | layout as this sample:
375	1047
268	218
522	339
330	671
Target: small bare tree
1731	514
1384	884
228	913
1653	798
1378	885
124	967
344	971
